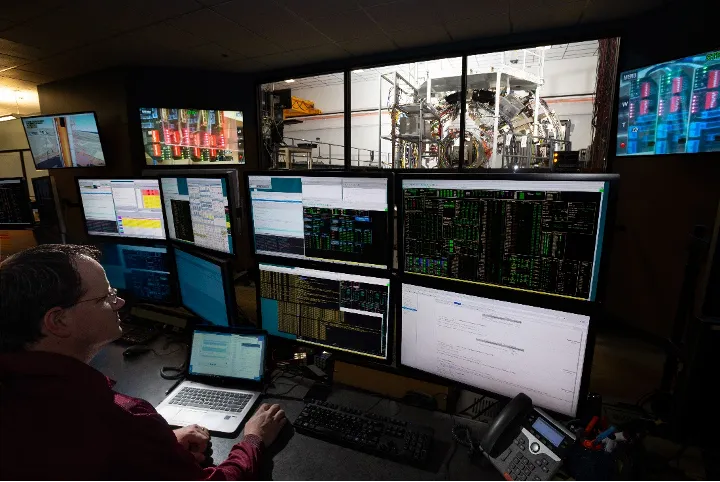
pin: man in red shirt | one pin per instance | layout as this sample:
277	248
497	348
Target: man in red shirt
59	417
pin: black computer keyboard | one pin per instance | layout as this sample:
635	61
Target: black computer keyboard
138	334
211	399
368	432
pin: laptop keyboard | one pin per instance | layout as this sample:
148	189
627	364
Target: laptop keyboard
211	399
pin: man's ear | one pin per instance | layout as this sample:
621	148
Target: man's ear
55	323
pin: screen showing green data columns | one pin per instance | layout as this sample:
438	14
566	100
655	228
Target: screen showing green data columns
538	236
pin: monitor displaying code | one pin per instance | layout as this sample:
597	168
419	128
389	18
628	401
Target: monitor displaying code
539	236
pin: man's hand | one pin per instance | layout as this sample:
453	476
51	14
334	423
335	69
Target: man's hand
266	423
194	438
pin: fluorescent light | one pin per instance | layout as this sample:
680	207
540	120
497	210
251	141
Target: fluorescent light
290	81
7	118
358	71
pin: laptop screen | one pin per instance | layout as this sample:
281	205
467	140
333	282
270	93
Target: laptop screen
230	355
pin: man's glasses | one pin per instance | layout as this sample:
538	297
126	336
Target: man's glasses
111	297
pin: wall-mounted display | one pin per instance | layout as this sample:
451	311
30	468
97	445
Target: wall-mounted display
192	136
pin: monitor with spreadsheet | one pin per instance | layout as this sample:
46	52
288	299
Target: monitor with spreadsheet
126	208
538	233
227	354
199	211
15	209
336	217
144	273
496	346
206	287
337	311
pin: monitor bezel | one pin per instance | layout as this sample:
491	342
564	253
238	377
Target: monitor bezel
116	178
608	226
232	204
390	239
226	273
64	114
191	165
223	380
530	299
357	358
142	242
28	212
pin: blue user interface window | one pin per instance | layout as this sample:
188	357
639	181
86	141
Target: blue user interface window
142	271
201	288
227	355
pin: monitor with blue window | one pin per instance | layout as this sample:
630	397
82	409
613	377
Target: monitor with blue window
206	288
143	273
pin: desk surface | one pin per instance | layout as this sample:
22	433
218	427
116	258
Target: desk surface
304	458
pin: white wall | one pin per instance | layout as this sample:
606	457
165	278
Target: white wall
568	77
12	135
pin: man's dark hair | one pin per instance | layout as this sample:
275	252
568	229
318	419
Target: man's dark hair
33	282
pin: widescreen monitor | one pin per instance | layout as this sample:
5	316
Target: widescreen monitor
141	272
670	108
199	211
496	346
332	217
338	311
173	136
125	208
15	208
206	287
64	140
538	233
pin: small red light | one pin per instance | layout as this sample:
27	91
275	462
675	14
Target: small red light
622	144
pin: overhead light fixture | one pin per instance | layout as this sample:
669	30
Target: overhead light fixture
358	71
290	81
7	118
547	47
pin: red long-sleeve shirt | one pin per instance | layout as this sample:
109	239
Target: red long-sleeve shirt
61	420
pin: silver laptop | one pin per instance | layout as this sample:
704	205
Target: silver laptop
224	380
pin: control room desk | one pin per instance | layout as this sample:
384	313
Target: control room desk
305	458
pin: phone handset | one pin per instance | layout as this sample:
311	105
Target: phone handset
525	443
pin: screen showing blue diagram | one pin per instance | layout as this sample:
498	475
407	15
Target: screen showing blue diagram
670	108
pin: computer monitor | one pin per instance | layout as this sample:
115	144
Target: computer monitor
125	208
337	217
227	354
496	346
192	136
670	108
46	201
144	273
200	211
532	232
338	311
64	140
15	209
206	287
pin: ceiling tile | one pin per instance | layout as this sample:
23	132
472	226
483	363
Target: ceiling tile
525	20
598	11
26	76
218	29
18	50
282	59
347	26
463	9
5	23
309	9
19	11
321	53
404	14
274	23
369	45
428	35
245	65
10	61
158	38
478	27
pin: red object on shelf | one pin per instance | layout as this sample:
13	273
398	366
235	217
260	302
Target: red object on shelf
713	79
196	151
675	103
177	151
186	136
221	141
645	89
155	136
711	100
644	107
166	136
156	150
677	85
206	139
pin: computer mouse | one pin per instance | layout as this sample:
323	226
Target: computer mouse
135	350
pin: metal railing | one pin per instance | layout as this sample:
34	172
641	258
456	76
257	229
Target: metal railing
317	154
